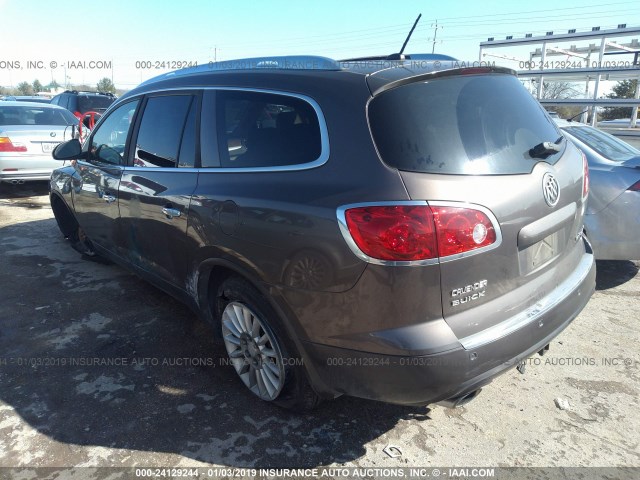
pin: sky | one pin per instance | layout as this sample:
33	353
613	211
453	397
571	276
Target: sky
128	41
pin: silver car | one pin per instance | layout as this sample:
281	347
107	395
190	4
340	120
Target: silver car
28	134
612	220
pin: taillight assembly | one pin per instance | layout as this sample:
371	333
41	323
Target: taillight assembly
635	187
7	146
411	233
462	230
396	233
78	115
585	176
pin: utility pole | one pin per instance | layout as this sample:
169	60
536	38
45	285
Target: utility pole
435	35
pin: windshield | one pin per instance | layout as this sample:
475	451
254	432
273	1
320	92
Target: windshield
36	115
465	124
605	144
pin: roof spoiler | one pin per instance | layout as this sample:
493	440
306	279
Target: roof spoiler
444	73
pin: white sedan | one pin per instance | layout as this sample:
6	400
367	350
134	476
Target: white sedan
28	134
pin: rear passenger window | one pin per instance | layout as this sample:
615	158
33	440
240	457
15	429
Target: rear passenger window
265	130
161	131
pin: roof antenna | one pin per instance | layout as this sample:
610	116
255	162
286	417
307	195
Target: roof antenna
399	55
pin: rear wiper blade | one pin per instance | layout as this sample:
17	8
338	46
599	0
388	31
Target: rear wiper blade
544	149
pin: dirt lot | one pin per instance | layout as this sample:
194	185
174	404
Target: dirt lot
98	368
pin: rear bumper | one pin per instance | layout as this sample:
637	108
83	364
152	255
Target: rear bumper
425	379
25	176
26	167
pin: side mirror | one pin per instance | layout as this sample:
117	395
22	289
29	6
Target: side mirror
69	150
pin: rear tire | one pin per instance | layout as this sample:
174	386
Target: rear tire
263	356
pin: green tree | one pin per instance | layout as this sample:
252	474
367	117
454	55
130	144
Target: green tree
25	88
53	85
37	86
106	85
623	89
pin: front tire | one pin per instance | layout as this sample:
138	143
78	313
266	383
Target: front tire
259	349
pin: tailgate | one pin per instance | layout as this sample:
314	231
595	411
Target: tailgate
481	142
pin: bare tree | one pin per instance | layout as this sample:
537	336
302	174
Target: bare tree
557	91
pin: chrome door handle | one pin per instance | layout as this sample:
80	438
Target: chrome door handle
109	198
171	212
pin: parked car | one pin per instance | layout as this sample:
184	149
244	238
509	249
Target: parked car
26	98
28	134
393	230
79	103
612	220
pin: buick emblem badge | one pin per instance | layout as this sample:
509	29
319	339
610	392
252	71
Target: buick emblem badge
550	189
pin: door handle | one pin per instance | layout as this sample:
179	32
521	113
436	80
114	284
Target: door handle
171	212
109	198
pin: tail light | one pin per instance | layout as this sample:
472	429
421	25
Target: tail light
78	115
417	232
7	146
585	176
461	230
635	187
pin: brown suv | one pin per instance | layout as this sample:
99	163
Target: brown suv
398	230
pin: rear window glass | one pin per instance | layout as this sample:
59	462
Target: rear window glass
606	145
88	103
466	124
35	115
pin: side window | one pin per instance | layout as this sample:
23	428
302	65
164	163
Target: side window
107	145
161	130
265	130
187	156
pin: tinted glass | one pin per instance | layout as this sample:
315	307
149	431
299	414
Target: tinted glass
35	115
187	156
266	130
89	103
163	122
606	145
467	124
109	140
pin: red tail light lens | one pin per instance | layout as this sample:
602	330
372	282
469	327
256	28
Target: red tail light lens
7	146
418	232
395	233
635	187
461	230
78	115
585	176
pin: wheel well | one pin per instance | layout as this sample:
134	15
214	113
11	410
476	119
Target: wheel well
65	219
216	276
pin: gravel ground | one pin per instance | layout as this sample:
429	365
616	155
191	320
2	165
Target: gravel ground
98	368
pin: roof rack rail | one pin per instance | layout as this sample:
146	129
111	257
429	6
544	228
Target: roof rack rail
290	62
399	57
108	94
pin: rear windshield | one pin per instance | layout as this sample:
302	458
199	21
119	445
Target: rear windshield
465	124
36	115
88	103
606	145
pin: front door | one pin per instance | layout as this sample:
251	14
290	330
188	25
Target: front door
95	199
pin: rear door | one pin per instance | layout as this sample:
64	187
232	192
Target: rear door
463	143
156	189
95	199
